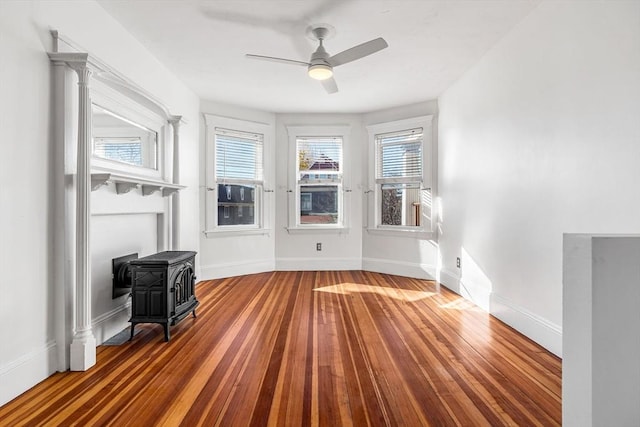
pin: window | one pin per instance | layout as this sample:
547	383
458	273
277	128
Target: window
319	176
402	175
399	175
317	185
238	169
305	203
236	199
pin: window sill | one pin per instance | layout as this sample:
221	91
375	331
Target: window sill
237	232
317	230
401	232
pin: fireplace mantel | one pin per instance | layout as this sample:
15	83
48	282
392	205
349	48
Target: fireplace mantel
79	79
125	183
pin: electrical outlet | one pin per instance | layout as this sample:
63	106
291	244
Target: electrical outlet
458	262
318	246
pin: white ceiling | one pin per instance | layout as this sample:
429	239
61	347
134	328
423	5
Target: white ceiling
431	44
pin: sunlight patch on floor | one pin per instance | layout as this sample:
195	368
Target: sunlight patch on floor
461	304
399	294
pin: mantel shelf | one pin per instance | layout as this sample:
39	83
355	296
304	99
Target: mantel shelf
125	184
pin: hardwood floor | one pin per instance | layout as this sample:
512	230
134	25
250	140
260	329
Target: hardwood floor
311	348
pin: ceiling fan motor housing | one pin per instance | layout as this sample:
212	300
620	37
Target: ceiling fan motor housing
319	66
320	56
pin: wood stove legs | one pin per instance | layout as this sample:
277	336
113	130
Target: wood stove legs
165	326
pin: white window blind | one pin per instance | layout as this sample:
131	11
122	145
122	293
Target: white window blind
399	156
121	149
319	159
238	156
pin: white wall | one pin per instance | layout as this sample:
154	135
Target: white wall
27	254
601	340
112	236
540	138
234	255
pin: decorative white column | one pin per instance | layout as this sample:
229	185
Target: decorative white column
175	202
83	346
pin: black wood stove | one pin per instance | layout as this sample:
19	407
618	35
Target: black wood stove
162	287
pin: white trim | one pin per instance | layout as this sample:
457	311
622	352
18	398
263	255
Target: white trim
220	232
402	232
112	322
21	374
449	279
232	269
320	229
319	264
400	268
476	293
537	328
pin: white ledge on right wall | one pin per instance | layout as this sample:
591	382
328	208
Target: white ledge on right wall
415	234
125	184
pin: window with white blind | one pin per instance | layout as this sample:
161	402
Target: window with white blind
235	175
317	188
399	177
238	172
402	175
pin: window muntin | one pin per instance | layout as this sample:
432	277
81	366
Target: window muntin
399	177
238	171
319	175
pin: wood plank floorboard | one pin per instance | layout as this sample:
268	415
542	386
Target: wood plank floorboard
317	348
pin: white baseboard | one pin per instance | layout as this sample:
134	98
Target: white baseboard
218	271
31	368
109	324
539	329
479	295
399	268
449	279
313	264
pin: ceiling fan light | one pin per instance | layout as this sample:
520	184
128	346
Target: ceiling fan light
320	72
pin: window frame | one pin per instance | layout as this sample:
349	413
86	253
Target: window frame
260	199
294	187
373	200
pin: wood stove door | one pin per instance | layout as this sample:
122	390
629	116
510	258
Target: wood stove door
149	300
183	289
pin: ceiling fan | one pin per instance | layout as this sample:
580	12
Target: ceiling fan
321	64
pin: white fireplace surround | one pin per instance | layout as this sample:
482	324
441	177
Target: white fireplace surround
76	74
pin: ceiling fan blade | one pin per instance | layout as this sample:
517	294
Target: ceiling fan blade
274	59
357	52
329	85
